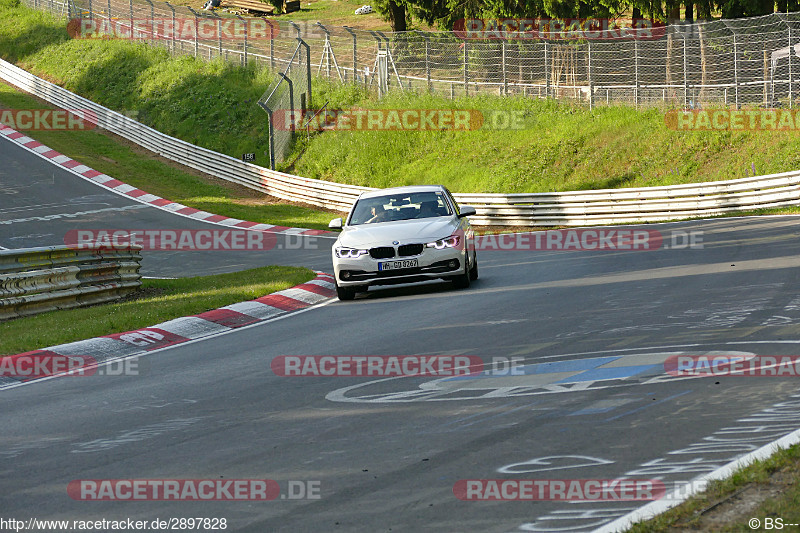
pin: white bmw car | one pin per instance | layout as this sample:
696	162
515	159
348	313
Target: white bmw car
403	235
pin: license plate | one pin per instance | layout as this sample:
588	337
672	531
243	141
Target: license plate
396	265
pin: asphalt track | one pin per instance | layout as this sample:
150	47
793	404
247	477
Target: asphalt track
41	202
386	454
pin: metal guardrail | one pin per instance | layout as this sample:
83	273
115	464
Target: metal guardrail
36	280
607	206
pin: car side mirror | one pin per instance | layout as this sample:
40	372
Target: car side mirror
336	223
467	211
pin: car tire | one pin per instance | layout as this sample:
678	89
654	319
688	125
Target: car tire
345	293
473	273
462	280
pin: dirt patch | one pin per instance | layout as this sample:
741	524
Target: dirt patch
737	508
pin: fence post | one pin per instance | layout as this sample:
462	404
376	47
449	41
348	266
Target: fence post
791	99
271	47
109	14
245	37
152	24
636	72
326	50
427	59
546	74
308	68
172	38
589	74
196	34
735	72
219	34
503	61
685	75
130	5
735	66
466	68
355	55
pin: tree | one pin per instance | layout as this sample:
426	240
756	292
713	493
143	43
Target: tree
393	11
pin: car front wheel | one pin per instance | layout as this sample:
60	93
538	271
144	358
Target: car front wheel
462	280
345	293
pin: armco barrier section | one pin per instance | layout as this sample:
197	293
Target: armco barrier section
35	280
607	206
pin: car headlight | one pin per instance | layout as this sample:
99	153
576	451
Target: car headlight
450	242
349	253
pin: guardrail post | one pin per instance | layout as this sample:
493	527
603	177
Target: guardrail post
245	37
355	56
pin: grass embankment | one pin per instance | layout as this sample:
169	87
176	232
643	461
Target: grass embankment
765	489
159	300
562	147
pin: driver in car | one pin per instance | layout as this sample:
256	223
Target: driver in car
379	214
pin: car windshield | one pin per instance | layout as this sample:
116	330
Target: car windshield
395	207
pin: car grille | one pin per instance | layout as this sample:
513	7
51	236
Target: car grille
382	252
409	249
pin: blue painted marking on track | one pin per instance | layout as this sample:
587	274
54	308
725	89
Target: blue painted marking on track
600	374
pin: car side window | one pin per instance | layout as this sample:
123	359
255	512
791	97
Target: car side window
452	201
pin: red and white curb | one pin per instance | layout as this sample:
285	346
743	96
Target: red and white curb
141	341
139	195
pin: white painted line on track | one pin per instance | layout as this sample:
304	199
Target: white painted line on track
682	494
139	200
159	350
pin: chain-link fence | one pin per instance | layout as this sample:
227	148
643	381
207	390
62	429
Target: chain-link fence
286	101
736	62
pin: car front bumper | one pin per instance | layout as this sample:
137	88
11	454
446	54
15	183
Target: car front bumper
431	264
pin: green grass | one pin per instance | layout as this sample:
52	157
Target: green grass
126	163
691	515
561	146
163	299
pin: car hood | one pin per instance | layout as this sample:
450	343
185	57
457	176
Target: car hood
403	231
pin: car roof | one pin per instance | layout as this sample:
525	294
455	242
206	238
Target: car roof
408	189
